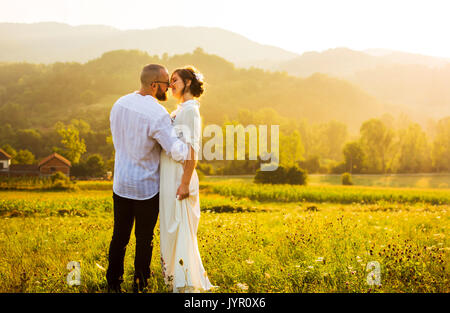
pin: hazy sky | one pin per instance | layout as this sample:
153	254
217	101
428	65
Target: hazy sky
299	26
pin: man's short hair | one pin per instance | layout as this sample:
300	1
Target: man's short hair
151	73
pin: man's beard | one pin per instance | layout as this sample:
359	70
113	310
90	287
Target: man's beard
160	95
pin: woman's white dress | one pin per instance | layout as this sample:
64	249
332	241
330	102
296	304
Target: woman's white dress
182	266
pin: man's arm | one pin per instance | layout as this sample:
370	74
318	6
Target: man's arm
165	134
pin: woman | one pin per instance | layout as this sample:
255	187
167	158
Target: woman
180	258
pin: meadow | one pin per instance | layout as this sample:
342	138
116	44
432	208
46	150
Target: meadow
252	238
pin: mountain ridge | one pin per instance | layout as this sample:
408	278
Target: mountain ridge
23	42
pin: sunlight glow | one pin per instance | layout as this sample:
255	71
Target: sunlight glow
298	26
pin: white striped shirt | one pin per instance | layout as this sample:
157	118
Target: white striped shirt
140	126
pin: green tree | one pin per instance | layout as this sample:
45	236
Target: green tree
354	157
377	140
441	146
291	148
413	151
311	164
74	147
332	136
10	150
23	157
82	126
7	133
95	165
29	139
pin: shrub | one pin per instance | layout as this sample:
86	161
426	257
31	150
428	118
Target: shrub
346	179
57	181
338	168
206	168
59	176
59	185
296	176
61	181
312	164
292	175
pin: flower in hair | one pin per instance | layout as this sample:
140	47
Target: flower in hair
199	76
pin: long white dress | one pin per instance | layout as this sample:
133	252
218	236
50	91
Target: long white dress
182	266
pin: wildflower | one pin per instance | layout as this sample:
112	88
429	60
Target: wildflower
319	259
249	261
243	286
311	267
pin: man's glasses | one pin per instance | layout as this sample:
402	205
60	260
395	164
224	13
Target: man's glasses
158	82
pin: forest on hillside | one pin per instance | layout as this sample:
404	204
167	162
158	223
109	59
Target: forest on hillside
327	125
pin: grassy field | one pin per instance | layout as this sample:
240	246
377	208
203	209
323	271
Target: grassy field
394	180
317	238
440	181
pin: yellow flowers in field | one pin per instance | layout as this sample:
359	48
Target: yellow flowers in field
277	245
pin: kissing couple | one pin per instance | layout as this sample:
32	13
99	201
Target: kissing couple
154	173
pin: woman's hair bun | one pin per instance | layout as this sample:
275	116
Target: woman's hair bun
196	78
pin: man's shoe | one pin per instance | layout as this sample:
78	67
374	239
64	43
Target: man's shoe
115	288
139	286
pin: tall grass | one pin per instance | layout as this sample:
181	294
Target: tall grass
56	182
334	194
252	238
288	250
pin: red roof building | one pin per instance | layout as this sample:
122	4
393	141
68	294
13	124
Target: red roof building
54	163
5	161
4	155
48	166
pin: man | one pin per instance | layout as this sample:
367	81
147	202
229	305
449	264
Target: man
140	127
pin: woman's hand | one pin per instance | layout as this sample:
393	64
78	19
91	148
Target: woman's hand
188	169
183	191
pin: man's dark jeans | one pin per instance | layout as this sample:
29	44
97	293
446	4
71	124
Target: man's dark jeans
145	212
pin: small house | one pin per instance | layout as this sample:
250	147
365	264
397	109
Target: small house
5	161
54	163
47	167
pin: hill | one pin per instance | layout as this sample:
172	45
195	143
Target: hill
51	42
33	95
418	83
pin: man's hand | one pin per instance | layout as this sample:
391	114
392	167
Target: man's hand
183	191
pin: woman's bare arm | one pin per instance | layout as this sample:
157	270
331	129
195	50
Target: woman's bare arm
188	167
